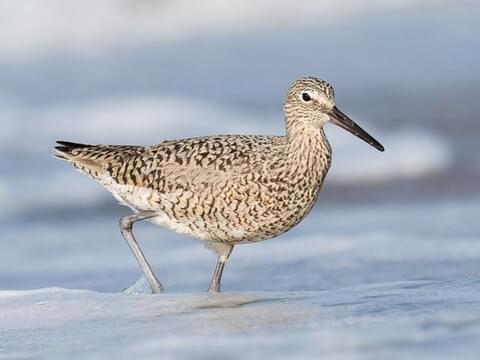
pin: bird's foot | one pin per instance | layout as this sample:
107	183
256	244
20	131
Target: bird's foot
142	287
139	287
214	289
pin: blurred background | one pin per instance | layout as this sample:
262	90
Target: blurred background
143	71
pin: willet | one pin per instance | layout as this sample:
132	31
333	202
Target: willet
223	190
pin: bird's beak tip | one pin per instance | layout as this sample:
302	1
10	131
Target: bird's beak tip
339	118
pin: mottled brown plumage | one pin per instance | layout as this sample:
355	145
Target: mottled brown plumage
224	190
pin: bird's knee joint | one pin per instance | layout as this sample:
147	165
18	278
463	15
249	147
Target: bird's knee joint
125	224
223	258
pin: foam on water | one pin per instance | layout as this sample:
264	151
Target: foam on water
418	319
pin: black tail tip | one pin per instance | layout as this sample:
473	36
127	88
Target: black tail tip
71	145
66	147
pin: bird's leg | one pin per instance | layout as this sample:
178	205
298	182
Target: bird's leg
126	224
223	252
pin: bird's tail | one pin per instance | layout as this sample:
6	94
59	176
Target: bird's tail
89	159
94	159
65	149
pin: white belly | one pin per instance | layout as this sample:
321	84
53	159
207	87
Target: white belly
137	198
181	228
144	199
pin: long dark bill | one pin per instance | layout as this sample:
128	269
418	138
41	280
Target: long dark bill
339	118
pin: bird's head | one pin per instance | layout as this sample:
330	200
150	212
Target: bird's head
310	102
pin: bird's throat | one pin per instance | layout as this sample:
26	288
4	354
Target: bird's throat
308	153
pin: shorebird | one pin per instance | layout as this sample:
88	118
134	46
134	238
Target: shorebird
223	190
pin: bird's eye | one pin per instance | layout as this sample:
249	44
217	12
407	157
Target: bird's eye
306	97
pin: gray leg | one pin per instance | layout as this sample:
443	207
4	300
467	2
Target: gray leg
126	224
217	274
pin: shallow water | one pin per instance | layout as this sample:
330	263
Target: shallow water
413	319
